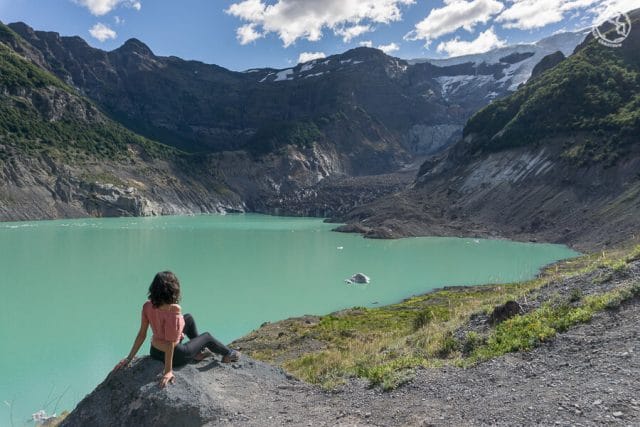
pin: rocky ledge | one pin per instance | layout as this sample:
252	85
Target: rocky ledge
204	393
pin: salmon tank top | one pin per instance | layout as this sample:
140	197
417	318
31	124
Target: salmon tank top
166	325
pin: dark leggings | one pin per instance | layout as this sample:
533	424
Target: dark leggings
184	353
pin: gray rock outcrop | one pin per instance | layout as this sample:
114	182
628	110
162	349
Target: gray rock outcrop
204	393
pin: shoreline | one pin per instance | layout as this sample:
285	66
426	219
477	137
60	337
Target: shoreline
454	321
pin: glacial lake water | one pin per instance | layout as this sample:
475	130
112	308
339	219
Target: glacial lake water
72	290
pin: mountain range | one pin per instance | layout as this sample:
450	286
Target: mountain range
127	132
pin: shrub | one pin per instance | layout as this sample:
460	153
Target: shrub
575	295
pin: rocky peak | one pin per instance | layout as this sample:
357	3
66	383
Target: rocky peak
365	54
22	28
135	46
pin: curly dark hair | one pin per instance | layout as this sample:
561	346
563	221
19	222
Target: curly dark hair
165	289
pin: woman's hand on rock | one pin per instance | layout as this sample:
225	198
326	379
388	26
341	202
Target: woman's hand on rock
122	364
167	378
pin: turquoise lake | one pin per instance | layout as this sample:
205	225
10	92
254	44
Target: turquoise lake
72	290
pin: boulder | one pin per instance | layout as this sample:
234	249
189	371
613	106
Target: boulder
504	312
204	393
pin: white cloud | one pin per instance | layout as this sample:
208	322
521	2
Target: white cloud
529	14
99	7
308	19
310	56
349	33
366	43
532	14
485	41
454	15
247	33
102	7
389	48
102	32
118	20
607	9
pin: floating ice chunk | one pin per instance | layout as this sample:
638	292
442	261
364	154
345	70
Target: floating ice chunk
358	278
42	417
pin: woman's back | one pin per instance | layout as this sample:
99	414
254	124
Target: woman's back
166	321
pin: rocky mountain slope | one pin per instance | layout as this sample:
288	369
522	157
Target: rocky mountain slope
276	141
558	160
61	157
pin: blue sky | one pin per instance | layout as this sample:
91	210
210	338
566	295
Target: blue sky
242	34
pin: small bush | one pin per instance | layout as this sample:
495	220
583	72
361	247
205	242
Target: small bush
422	319
575	295
389	375
471	342
448	345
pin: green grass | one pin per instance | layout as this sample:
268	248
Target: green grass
384	345
16	72
528	331
71	136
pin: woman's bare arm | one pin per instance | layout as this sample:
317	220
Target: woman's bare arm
137	343
142	335
168	376
168	348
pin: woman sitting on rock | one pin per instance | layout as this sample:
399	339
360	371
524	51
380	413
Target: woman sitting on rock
169	326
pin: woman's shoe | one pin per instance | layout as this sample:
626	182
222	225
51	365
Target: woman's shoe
204	353
232	357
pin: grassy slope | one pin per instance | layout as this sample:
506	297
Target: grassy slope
595	92
23	126
385	344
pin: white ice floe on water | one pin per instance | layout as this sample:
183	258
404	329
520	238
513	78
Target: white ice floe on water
42	417
358	278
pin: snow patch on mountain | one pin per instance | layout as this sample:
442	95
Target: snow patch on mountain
515	72
450	85
284	75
